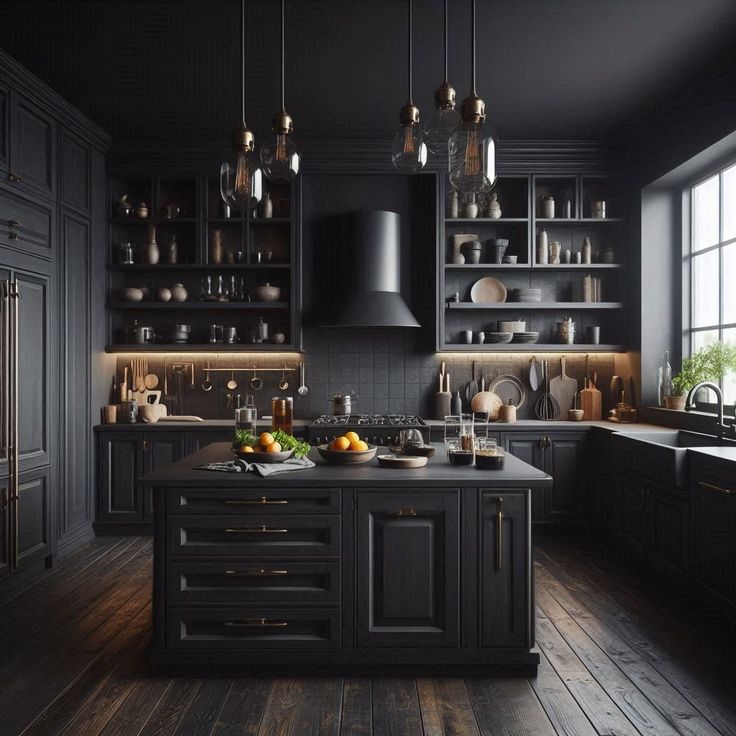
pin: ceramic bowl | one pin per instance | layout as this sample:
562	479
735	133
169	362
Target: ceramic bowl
263	457
131	294
267	293
511	326
346	457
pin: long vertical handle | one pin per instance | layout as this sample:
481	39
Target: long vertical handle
14	357
499	533
5	368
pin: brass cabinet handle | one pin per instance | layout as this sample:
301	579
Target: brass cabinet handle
262	573
253	623
717	489
256	530
403	512
14	178
260	501
499	533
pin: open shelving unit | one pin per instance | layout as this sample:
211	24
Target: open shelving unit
257	250
520	223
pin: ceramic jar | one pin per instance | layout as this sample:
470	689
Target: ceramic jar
494	208
266	206
547	207
453	206
163	294
179	293
587	251
543	248
216	249
470	208
555	248
151	253
142	210
173	250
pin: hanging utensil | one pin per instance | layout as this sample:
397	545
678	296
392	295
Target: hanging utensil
207	384
283	383
547	407
472	388
535	371
232	384
302	390
255	382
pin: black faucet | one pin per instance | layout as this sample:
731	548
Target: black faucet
722	428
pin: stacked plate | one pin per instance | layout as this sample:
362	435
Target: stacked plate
525	337
498	337
528	295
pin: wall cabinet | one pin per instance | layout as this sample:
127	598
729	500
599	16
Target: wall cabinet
408	568
563	456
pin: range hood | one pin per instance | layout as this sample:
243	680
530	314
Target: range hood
373	286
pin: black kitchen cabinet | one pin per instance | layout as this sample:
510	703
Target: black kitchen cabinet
505	583
75	179
4	528
32	164
408	568
562	455
633	505
124	457
34	516
4	112
198	440
713	489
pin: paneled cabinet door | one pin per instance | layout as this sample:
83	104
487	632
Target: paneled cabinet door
669	537
32	147
121	463
632	499
407	550
34	516
4	528
4	115
505	616
529	447
75	175
160	449
564	456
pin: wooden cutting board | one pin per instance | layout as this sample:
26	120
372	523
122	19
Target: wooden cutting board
591	401
563	389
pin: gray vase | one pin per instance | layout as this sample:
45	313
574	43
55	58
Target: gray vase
498	249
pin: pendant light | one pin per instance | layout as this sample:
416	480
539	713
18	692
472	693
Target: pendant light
472	150
445	118
408	150
279	155
241	179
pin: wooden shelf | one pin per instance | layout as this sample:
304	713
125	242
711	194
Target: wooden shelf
152	220
144	268
252	220
575	220
202	347
485	220
198	305
519	347
513	306
531	267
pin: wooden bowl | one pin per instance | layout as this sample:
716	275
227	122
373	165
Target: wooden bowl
263	457
346	457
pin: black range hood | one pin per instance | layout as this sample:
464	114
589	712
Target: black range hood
373	288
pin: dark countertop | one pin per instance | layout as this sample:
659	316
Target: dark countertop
264	422
724	454
438	473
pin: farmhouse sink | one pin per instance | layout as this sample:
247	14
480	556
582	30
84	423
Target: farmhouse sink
659	455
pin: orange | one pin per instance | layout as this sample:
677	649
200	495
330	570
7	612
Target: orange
340	443
246	448
352	437
273	447
265	439
358	446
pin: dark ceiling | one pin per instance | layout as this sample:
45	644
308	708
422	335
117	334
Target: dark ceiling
158	71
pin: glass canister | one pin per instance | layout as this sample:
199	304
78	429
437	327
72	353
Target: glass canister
460	439
246	418
282	414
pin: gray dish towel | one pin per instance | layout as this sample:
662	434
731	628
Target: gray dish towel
263	469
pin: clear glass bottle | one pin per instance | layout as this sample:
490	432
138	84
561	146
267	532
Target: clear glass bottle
282	414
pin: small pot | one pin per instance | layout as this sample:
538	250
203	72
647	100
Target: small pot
575	415
267	293
675	402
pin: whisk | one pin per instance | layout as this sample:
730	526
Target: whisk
547	407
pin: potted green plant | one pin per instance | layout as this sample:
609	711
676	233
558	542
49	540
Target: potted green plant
708	364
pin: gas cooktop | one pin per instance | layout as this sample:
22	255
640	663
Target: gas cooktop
369	420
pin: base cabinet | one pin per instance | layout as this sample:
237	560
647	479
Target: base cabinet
408	568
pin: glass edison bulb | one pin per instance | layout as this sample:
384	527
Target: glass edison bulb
241	179
472	151
443	121
408	149
280	157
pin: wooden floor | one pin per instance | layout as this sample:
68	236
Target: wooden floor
619	657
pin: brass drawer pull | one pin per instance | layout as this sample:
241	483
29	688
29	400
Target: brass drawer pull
260	501
404	512
499	533
256	530
254	573
718	489
255	623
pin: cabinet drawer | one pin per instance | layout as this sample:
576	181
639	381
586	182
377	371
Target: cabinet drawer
25	226
253	628
257	501
254	581
281	535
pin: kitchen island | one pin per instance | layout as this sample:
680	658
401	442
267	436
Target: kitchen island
352	568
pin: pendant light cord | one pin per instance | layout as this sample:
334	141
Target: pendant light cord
472	46
283	46
242	61
445	41
411	96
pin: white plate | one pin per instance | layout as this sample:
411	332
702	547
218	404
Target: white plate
488	291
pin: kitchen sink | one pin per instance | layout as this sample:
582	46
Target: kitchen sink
660	455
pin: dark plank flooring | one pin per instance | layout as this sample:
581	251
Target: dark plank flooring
620	657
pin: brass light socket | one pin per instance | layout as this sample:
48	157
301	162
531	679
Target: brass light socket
444	97
244	139
409	114
282	123
473	109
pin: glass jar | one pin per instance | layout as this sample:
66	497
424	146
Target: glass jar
282	414
245	418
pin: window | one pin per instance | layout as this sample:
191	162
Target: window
712	259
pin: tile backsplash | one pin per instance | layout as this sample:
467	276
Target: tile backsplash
388	370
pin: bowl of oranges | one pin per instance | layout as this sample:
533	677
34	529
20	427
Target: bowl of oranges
347	449
265	450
